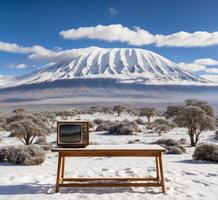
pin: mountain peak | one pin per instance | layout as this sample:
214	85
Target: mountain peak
124	64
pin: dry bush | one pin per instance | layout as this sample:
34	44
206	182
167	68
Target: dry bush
121	129
98	121
149	127
207	152
19	110
148	112
216	135
91	124
124	128
136	141
172	146
183	141
41	141
162	128
64	114
139	121
133	111
26	127
161	121
118	109
24	155
172	111
105	125
174	149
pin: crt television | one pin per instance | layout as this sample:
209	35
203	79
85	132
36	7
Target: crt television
72	133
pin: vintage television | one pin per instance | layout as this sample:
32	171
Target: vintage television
72	134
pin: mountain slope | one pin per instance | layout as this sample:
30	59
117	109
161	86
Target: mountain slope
124	64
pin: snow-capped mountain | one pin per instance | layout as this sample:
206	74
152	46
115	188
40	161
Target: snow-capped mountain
125	64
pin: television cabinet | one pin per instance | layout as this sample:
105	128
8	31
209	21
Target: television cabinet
130	150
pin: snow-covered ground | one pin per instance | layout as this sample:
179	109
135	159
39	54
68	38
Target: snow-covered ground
185	177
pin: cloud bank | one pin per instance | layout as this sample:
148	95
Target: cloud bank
140	37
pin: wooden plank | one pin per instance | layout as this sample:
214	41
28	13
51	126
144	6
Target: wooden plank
111	179
110	185
111	153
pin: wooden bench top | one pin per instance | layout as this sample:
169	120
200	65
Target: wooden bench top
113	148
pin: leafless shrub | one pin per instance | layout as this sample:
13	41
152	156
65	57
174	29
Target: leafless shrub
136	141
149	127
4	152
120	129
41	141
24	155
118	109
162	128
105	125
139	121
98	121
91	124
174	149
183	141
124	128
161	121
19	110
172	111
26	127
207	152
201	104
133	111
172	146
216	135
148	112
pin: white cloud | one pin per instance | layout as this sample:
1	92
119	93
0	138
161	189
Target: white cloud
35	52
4	80
213	78
192	67
18	66
212	70
113	11
15	48
200	65
139	37
206	61
185	39
114	32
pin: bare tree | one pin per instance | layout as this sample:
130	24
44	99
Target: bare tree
196	120
172	111
118	109
201	104
26	127
148	112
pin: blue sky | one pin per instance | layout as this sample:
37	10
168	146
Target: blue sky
27	23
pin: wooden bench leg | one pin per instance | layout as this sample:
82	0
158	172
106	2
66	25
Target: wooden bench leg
58	172
157	168
62	168
162	173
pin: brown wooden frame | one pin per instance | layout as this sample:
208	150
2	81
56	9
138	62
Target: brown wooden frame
157	181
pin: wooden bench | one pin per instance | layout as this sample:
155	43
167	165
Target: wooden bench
130	150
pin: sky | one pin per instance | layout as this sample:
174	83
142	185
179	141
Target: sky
34	33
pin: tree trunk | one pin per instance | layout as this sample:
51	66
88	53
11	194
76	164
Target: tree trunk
148	118
191	135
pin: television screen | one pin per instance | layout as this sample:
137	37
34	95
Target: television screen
70	133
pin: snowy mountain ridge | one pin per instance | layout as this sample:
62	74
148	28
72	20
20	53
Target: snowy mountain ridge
125	64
